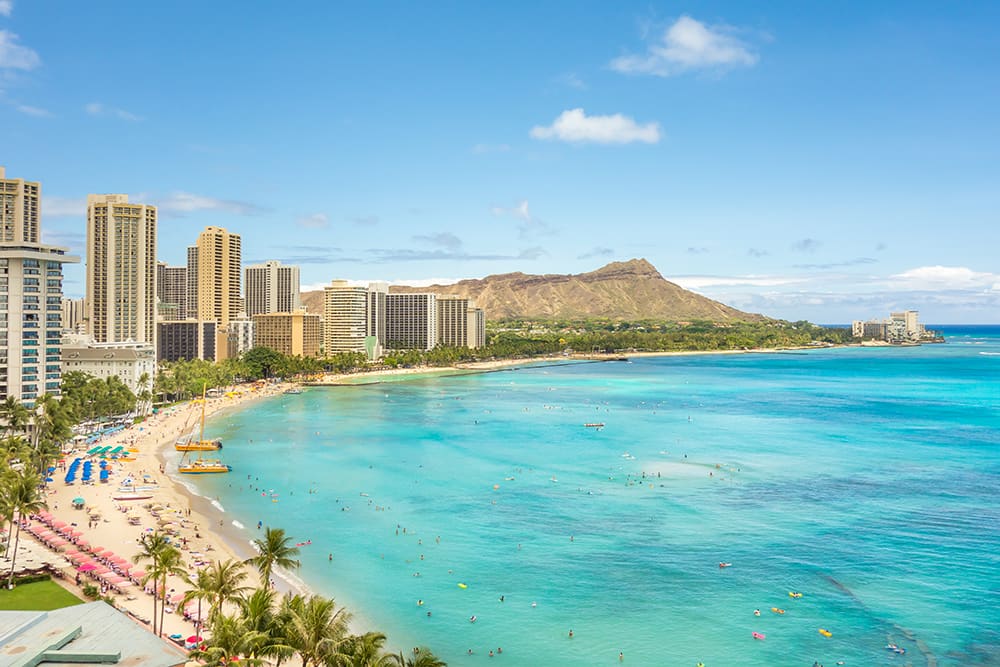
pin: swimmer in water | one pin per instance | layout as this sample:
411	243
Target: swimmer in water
756	612
570	634
472	619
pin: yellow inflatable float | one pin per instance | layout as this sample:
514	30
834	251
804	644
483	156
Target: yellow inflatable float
462	586
825	632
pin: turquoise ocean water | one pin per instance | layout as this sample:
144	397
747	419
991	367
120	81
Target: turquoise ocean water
866	479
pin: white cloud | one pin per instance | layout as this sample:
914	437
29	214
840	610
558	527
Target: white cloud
688	45
945	278
63	206
15	56
6	7
179	203
575	126
102	110
314	221
520	211
701	282
34	111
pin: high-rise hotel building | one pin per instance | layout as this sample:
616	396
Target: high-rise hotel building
171	291
345	317
271	288
30	296
460	323
121	270
214	276
411	321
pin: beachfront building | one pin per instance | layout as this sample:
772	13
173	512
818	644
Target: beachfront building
271	288
460	323
30	296
186	339
410	321
128	362
74	315
345	317
121	270
297	333
171	292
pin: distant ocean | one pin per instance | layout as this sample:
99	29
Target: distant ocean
868	480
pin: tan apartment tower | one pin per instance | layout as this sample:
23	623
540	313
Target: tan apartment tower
297	334
121	270
30	296
216	283
20	206
271	288
345	317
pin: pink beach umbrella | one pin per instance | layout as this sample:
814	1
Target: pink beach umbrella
101	569
87	567
58	524
97	551
69	553
75	533
137	574
82	543
124	583
57	542
43	515
177	598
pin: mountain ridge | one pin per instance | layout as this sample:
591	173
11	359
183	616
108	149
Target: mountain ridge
628	290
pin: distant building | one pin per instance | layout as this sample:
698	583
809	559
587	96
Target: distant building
240	334
171	292
460	323
121	270
74	315
377	293
30	296
215	264
900	327
186	339
297	333
271	288
410	321
126	361
345	317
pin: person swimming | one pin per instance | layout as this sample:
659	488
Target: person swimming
756	612
472	619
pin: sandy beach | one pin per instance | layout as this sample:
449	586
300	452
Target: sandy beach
117	525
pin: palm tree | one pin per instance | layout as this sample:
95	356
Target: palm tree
163	560
263	631
225	584
21	496
365	651
275	550
226	645
201	590
424	657
315	628
14	415
171	563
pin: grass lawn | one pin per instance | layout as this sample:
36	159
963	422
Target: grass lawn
37	596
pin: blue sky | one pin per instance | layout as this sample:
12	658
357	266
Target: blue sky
809	161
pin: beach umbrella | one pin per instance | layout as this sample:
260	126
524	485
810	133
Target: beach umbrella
82	543
101	569
78	501
75	533
137	574
49	479
58	524
124	583
87	567
69	553
96	550
177	598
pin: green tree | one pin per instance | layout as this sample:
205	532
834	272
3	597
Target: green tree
225	585
315	628
14	415
20	495
161	560
274	550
